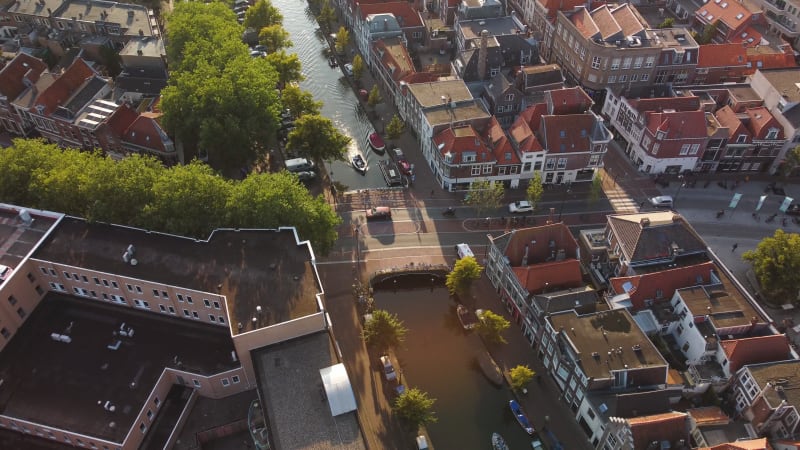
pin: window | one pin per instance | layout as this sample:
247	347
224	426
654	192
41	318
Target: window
4	331
39	290
138	289
221	319
626	63
562	163
31	278
637	63
189	300
686	346
157	402
171	310
196	382
130	287
12	300
44	270
142	428
21	313
225	382
612	78
149	414
476	170
141	304
164	294
195	315
84	278
96	280
162	308
509	97
685	149
155	292
649	62
67	275
635	77
623	78
645	76
114	285
741	139
53	272
105	283
595	62
216	304
235	379
416	34
771	134
695	148
615	64
679	329
207	303
186	313
590	413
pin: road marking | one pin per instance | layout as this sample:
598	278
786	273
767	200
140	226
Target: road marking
621	201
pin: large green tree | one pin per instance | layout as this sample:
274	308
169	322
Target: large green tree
484	196
415	407
316	137
274	38
465	271
384	331
342	39
776	263
374	96
262	14
287	66
596	189
139	191
326	16
299	102
395	127
535	189
491	326
197	27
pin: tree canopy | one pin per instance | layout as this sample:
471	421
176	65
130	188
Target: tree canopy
416	407
274	38
218	101
316	137
384	331
300	102
535	189
139	191
374	96
288	67
520	377
358	67
596	189
262	14
776	263
465	271
484	195
491	326
342	39
395	127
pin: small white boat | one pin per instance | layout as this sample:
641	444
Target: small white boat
358	163
467	318
498	443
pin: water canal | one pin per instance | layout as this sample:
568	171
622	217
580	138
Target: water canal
437	357
330	86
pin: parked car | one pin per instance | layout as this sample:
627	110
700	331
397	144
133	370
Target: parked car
422	443
662	201
379	213
257	54
306	175
522	206
348	69
299	165
401	161
793	209
388	368
5	272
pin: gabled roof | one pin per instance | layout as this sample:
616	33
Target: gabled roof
656	235
121	119
647	286
606	22
463	140
678	124
709	416
523	129
756	350
721	55
12	76
64	86
541	75
404	12
750	444
750	38
761	120
499	144
671	427
730	12
553	6
539	243
627	19
146	132
728	118
583	21
567	133
395	58
572	100
560	274
498	85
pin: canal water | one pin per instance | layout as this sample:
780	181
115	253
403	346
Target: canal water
330	86
437	357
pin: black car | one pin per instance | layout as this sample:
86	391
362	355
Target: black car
793	210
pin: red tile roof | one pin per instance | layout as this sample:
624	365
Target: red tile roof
686	124
561	274
552	6
730	12
568	101
557	233
755	350
64	86
761	120
752	444
728	118
567	133
646	286
671	426
121	119
709	416
395	58
584	23
405	13
499	144
524	128
460	140
146	132
627	19
750	37
605	22
721	55
13	74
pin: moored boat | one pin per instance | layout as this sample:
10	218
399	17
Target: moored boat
490	368
358	163
498	443
467	318
522	419
376	142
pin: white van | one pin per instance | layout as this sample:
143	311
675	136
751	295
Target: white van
463	251
299	165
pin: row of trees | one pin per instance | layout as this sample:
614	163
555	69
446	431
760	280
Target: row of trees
139	191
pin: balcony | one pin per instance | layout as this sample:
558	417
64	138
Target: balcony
775	5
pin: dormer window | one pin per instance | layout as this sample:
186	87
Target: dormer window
741	139
661	135
448	157
509	97
772	133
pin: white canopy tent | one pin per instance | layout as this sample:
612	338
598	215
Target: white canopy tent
338	389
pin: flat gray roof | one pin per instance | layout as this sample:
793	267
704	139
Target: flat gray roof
292	390
65	385
266	268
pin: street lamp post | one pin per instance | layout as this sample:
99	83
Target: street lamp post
681	185
564	199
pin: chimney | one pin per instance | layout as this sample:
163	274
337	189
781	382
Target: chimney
483	54
645	222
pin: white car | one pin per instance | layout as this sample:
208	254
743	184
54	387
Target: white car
662	201
388	368
5	272
348	69
522	206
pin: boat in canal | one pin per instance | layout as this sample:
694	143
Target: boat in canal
467	318
358	163
375	142
498	443
390	173
522	419
489	367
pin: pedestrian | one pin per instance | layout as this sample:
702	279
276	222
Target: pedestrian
735	246
641	205
433	191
